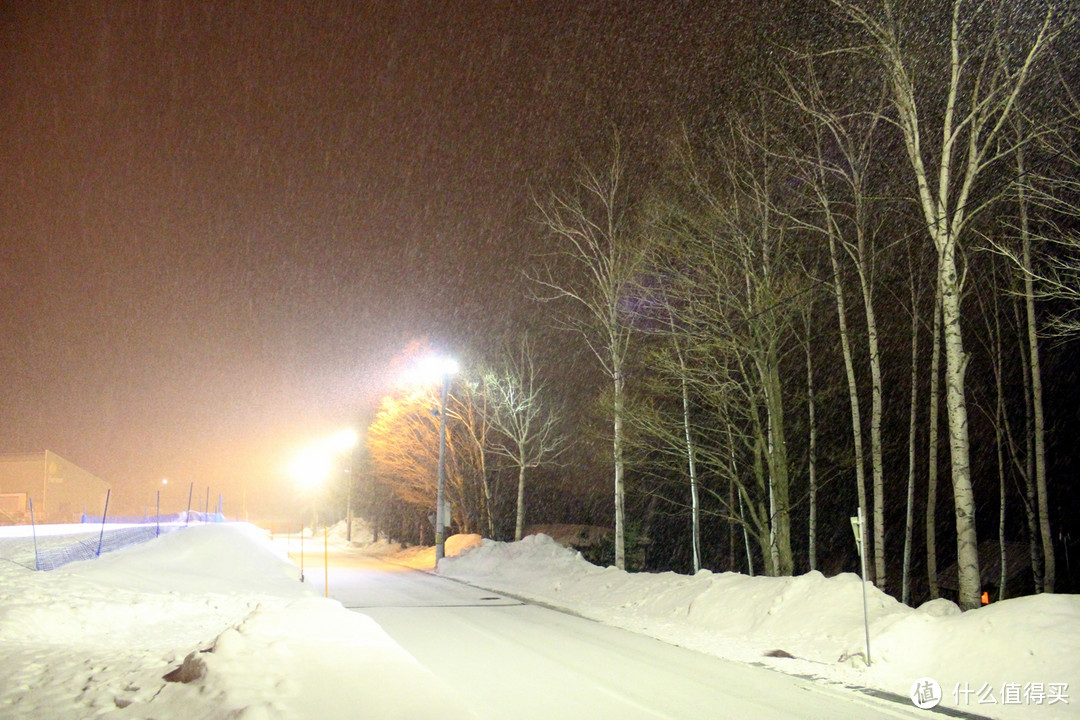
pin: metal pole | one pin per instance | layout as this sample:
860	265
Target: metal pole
326	564
348	500
103	514
157	516
440	521
33	529
187	517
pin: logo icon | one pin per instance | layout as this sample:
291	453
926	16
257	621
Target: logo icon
925	693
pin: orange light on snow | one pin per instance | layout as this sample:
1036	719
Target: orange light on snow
985	598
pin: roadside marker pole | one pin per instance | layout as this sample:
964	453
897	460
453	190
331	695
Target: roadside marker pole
33	529
858	525
326	564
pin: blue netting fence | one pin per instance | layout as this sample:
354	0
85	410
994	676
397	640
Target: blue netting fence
52	551
85	548
180	517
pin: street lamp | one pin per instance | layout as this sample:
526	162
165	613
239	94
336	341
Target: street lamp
314	464
448	368
343	442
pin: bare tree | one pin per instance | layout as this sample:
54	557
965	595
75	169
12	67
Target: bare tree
731	277
1020	252
528	432
991	56
839	174
601	256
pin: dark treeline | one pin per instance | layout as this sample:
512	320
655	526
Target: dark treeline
848	294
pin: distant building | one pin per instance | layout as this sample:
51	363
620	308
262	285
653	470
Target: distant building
61	491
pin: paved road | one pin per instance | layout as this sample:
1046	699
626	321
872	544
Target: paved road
521	661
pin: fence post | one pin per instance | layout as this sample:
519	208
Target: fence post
103	514
33	531
187	518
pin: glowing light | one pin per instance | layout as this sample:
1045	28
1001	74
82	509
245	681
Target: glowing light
430	370
313	465
344	440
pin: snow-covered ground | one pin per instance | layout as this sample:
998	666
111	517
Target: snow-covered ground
218	610
1014	659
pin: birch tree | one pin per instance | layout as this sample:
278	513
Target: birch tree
839	171
528	430
1051	196
600	257
990	57
731	279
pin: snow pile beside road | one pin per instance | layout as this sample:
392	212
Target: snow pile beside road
217	611
423	558
1008	648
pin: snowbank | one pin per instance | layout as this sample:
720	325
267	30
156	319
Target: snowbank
1011	651
208	622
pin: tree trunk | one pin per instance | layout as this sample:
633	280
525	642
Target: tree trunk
620	493
779	482
519	523
1028	468
695	517
932	452
909	517
853	389
967	543
999	414
746	538
812	450
876	461
1036	396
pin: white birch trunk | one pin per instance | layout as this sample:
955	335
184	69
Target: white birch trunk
967	544
695	517
1039	429
812	450
620	492
853	389
876	460
913	417
519	521
932	452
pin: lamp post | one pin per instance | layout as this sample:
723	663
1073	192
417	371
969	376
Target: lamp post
448	367
343	443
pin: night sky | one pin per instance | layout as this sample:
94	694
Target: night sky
221	222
